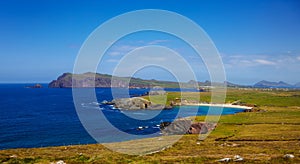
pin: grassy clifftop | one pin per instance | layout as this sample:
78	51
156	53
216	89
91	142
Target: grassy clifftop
250	97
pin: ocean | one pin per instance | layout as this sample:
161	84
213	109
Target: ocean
41	117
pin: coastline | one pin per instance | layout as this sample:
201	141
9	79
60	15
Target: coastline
254	136
220	105
137	103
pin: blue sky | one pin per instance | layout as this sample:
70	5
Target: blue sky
257	39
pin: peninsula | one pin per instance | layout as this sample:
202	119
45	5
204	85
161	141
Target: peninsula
97	80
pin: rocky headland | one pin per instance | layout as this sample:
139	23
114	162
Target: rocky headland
35	86
86	80
136	103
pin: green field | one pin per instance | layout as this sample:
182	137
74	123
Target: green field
263	136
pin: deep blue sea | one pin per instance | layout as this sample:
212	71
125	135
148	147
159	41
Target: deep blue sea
47	117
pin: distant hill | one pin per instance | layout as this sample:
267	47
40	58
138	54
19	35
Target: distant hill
104	80
268	84
229	84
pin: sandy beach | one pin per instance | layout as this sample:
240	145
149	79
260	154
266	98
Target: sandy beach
220	105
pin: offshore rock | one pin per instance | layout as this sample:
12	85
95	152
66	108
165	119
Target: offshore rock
134	103
137	103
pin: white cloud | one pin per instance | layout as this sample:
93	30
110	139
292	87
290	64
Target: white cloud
253	67
244	61
120	49
158	41
127	47
264	62
151	58
236	56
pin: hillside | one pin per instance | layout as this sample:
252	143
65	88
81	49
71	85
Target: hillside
103	80
268	84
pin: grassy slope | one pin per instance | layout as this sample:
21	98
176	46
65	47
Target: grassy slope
259	137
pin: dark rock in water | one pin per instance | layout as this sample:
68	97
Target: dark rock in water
168	107
35	86
163	125
105	102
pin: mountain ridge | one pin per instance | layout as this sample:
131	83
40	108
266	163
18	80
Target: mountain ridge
69	80
269	84
98	80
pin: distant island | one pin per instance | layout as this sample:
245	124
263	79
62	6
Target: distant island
98	80
103	80
280	84
34	86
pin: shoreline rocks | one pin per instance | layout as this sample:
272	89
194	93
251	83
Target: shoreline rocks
35	86
186	126
136	103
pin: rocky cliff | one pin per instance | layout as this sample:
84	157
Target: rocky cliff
137	103
103	80
186	126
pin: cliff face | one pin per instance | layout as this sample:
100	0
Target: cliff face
102	80
63	81
86	80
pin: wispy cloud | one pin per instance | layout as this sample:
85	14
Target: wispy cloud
118	50
298	57
244	61
264	62
114	53
153	58
125	47
158	41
